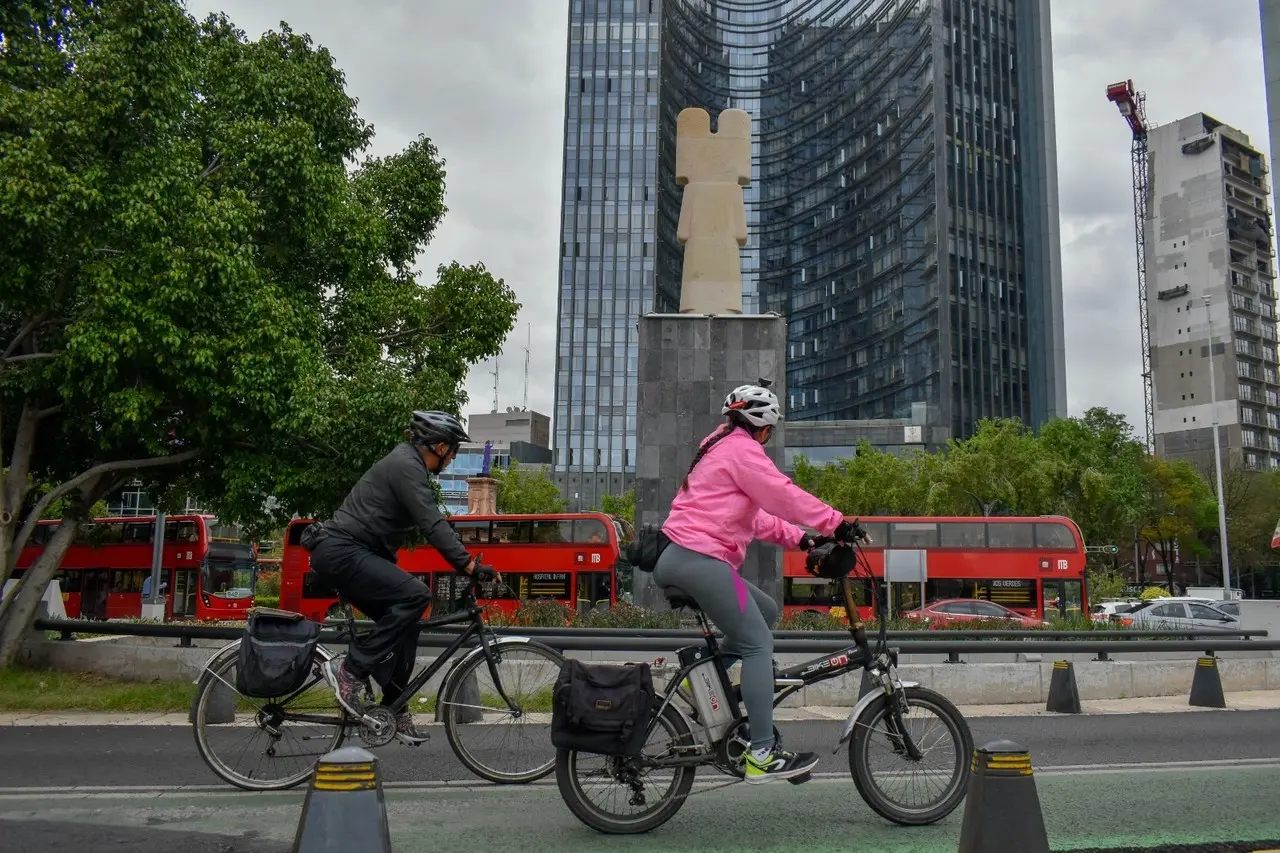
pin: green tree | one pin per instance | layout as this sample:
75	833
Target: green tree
527	490
876	482
623	506
1002	469
203	285
1178	505
1098	474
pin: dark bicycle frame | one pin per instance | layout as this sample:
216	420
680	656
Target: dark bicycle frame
791	679
471	613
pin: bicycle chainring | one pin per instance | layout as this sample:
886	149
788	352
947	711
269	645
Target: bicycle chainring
382	729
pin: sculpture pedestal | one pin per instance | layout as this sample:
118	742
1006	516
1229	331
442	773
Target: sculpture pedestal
688	363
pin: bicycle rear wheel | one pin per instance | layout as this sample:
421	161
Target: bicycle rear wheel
494	741
260	748
929	714
612	795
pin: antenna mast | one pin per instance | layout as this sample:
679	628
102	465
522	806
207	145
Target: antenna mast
528	343
495	384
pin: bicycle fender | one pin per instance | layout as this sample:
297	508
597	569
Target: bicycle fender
847	731
478	651
208	664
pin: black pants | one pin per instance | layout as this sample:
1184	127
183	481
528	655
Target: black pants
385	593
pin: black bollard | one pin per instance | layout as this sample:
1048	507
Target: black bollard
345	809
1002	809
1064	696
1206	685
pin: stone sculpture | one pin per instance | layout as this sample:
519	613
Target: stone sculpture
712	168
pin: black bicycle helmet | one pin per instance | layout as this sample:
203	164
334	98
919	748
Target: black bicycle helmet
831	561
428	428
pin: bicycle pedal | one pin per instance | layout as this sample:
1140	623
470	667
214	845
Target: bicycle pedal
801	779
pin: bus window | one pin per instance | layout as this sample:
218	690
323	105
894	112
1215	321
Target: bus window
878	531
914	534
138	533
1055	535
594	590
511	531
472	532
547	532
181	531
964	534
589	531
1009	534
1012	592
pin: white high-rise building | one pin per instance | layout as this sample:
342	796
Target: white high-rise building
1209	235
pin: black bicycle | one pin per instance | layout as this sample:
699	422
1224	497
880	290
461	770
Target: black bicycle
472	700
654	783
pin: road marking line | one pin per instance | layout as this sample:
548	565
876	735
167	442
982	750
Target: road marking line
475	786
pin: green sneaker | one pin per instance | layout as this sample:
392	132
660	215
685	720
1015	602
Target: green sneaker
778	764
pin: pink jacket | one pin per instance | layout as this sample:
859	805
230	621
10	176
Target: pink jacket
736	494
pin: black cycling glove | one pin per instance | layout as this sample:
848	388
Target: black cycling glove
483	573
848	532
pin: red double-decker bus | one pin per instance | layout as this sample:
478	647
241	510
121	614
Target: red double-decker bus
570	558
1033	565
103	573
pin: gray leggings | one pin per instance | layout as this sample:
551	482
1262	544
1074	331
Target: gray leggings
743	613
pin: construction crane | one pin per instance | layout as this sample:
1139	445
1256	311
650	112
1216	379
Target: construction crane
1132	105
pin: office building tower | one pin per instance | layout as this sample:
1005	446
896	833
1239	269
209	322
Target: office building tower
902	212
1209	235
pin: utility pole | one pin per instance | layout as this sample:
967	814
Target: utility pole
1217	460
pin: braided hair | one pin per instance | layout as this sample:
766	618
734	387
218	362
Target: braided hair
734	420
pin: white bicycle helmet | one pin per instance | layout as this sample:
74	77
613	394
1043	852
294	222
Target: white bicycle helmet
758	405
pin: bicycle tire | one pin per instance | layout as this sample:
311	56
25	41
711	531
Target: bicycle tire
861	772
573	796
452	725
200	708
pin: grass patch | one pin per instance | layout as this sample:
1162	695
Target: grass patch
56	690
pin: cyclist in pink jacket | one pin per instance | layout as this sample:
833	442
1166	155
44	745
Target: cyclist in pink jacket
733	494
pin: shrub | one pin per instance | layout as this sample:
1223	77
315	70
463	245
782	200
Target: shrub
268	584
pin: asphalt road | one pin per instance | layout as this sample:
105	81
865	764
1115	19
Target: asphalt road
37	756
1208	776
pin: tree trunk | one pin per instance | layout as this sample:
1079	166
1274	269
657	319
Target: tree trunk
20	612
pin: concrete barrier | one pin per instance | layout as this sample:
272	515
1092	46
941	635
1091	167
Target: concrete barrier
1007	682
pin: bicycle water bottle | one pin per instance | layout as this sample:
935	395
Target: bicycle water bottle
708	692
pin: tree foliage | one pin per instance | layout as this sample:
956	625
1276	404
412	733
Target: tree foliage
527	490
1091	469
204	284
622	506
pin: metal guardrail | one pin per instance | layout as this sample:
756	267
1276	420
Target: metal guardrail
668	640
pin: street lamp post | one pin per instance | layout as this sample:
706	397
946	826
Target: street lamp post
1217	461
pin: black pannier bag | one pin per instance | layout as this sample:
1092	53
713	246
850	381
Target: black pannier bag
601	708
275	653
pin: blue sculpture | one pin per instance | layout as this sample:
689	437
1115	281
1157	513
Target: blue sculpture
488	456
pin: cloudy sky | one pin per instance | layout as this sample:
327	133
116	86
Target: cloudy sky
484	79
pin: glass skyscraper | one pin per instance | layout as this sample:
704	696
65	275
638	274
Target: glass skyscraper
902	213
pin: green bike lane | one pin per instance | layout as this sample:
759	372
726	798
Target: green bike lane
1082	808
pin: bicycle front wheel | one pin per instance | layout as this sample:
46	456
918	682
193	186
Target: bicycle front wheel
506	744
938	731
259	744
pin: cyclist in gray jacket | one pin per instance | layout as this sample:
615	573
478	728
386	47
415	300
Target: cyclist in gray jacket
355	552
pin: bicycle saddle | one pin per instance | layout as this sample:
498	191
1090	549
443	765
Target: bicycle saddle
678	598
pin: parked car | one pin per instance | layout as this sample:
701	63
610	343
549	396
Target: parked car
1172	614
950	611
1109	610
